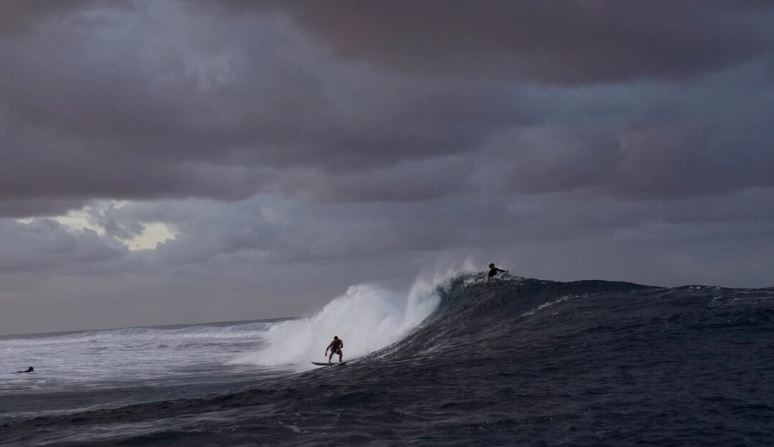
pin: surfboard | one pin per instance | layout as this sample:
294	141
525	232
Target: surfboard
328	364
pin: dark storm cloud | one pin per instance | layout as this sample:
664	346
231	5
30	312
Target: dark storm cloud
649	140
402	182
48	245
555	41
141	103
19	15
351	101
37	207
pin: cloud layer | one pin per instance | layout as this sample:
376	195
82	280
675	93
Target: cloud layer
364	139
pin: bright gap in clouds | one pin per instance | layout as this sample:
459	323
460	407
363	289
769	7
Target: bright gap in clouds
151	235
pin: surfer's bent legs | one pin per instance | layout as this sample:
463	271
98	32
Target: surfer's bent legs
334	351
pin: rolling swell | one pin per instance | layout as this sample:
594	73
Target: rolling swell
515	361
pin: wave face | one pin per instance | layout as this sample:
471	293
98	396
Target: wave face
510	362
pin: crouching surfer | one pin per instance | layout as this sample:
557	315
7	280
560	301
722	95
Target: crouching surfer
28	370
335	347
494	271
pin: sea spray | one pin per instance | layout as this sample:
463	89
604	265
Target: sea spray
367	318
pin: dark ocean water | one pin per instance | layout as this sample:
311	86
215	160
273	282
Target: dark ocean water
511	362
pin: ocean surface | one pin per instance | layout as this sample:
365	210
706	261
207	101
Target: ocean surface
460	361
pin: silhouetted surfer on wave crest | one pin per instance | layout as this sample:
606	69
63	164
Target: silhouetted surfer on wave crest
335	347
494	271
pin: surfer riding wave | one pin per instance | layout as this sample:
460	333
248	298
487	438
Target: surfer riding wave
335	347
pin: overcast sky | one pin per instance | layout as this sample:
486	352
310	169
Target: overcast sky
167	162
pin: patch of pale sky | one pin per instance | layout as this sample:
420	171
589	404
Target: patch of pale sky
149	238
152	235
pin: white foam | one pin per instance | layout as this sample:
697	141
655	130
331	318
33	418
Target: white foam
546	305
366	318
106	358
